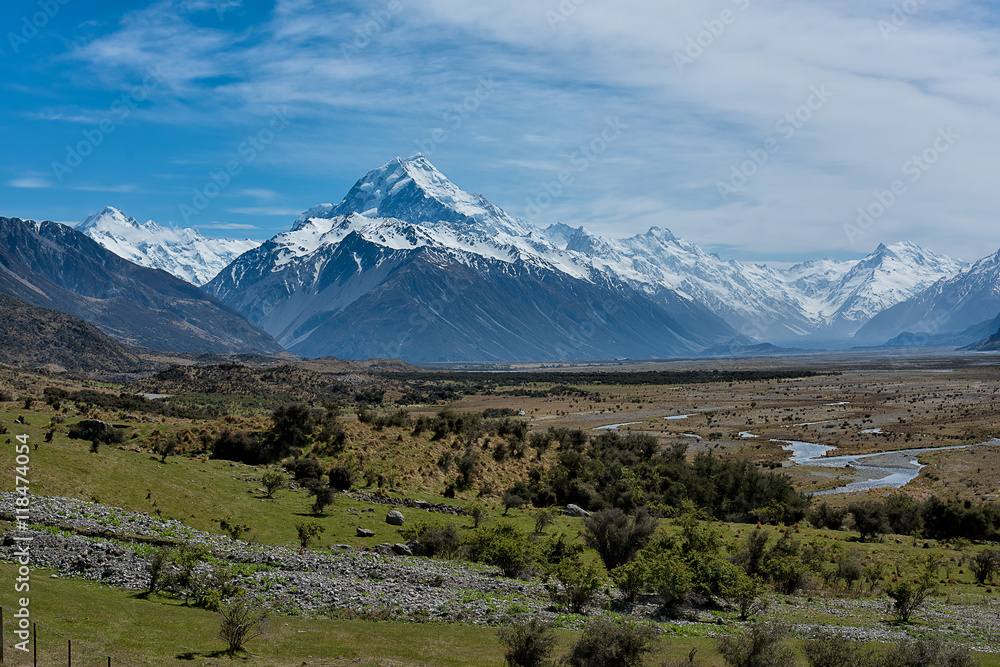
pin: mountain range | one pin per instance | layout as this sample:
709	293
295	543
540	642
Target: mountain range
184	253
53	266
408	265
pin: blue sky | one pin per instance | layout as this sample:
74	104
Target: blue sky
761	130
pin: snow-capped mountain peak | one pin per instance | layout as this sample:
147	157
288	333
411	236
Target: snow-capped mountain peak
414	191
183	252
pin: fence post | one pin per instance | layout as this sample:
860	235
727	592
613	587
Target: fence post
69	652
109	661
34	636
2	640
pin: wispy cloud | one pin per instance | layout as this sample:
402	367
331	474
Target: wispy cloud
30	182
265	210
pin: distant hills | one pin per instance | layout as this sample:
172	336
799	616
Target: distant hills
54	266
35	337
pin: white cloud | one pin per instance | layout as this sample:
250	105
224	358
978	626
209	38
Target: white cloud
359	101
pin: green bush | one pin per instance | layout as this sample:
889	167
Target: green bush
528	644
575	584
762	645
502	545
830	649
617	538
607	643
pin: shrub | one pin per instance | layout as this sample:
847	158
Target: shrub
341	478
239	446
241	621
762	645
606	643
869	518
907	598
478	512
828	517
670	578
304	469
528	644
746	592
543	518
616	537
308	532
927	653
272	481
575	584
512	500
829	649
631	579
322	495
985	564
438	540
502	545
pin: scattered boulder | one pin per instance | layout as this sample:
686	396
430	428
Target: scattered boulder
365	532
394	518
384	550
401	550
416	548
576	511
422	504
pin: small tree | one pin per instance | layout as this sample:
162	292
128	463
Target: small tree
869	518
907	598
308	532
984	564
272	481
762	645
747	593
235	530
157	571
241	621
478	512
606	643
322	495
543	518
528	644
167	447
512	500
616	537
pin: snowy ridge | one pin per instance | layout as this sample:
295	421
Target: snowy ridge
407	205
185	253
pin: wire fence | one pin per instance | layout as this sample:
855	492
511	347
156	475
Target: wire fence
28	643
